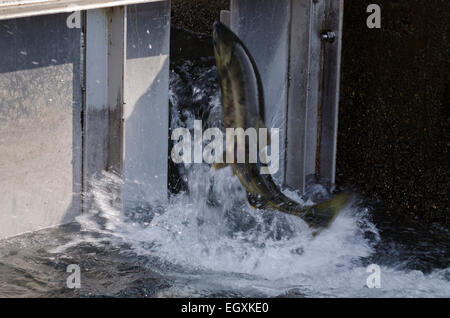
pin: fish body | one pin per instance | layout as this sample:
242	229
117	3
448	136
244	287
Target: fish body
243	107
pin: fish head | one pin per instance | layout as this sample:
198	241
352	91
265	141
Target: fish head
224	40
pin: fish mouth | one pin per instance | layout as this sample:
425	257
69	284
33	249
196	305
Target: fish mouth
222	36
219	30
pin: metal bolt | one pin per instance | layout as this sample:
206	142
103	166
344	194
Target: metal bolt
328	36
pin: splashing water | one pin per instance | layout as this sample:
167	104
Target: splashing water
212	242
207	241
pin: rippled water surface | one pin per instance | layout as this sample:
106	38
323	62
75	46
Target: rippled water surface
207	241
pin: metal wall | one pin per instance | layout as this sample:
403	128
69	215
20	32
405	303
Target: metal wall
263	26
299	65
146	103
77	101
127	98
40	123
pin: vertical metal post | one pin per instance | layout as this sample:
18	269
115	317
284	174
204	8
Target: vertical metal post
334	16
95	128
104	76
305	87
146	114
263	25
296	45
225	17
117	38
300	95
127	83
40	129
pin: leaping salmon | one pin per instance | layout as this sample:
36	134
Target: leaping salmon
243	107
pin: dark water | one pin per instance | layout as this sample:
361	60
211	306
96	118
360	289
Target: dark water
207	242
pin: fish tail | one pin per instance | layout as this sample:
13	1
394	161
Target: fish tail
323	214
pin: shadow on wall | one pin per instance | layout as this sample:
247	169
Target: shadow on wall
147	104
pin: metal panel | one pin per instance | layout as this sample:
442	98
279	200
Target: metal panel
24	8
305	90
126	127
40	131
299	94
300	73
117	39
96	102
314	91
146	102
225	17
105	58
334	17
263	25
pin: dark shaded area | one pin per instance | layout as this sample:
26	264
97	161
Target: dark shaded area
188	64
25	47
28	269
197	15
394	113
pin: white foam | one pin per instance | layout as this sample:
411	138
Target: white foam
199	236
213	231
